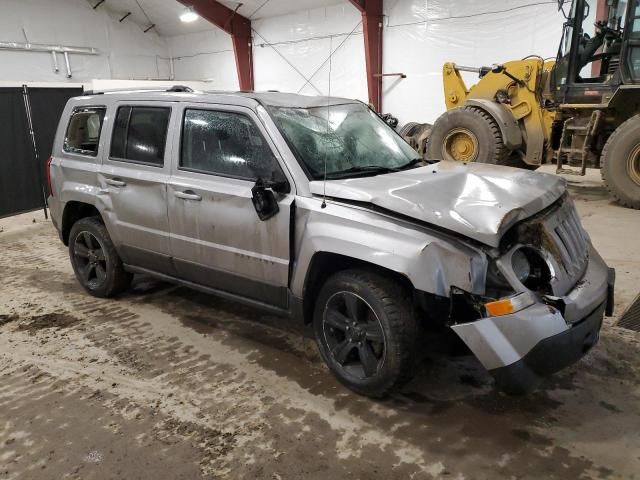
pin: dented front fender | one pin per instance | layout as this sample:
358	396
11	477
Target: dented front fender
432	261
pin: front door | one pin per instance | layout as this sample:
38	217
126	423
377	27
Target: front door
134	176
217	239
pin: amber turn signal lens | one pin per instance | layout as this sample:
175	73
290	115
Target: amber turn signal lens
499	307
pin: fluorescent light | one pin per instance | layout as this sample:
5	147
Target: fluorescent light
189	16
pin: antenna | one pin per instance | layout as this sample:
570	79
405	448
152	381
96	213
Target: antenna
324	181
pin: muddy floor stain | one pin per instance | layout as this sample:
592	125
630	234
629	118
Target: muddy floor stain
169	383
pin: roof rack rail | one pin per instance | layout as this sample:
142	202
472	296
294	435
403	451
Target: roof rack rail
174	88
180	88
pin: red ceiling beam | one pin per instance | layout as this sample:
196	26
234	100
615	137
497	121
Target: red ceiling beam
371	11
236	25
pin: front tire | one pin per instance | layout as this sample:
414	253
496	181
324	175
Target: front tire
467	134
95	261
621	163
366	331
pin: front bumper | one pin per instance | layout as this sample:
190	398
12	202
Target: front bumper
550	355
520	348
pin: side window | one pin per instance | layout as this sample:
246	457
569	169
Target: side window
227	144
83	131
140	134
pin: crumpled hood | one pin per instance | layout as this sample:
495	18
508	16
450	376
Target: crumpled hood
477	200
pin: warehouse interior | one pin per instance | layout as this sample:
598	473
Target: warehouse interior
164	381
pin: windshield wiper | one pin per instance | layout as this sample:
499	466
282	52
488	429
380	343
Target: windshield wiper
412	163
376	169
366	169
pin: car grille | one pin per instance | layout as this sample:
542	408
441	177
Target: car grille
572	240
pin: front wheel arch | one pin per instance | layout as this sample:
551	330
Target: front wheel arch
324	264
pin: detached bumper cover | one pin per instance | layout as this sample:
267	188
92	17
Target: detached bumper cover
550	355
520	348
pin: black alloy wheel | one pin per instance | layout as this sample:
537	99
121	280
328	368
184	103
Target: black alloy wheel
366	331
354	335
90	260
95	260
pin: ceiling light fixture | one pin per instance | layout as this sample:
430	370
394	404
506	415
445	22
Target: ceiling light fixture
189	15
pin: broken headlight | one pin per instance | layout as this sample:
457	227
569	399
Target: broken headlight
531	269
521	266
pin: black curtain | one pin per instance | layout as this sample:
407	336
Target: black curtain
20	188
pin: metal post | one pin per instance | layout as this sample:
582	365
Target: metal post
372	18
54	57
67	63
34	146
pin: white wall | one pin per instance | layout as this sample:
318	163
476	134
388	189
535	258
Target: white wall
206	56
291	53
419	36
125	51
287	50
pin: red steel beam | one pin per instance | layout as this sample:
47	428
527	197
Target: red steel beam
371	11
236	25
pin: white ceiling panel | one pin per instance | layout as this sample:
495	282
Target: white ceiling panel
271	8
165	13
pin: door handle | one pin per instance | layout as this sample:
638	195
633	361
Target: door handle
188	195
115	182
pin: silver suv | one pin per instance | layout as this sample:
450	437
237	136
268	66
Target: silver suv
315	208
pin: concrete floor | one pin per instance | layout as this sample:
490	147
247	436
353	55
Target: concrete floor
167	383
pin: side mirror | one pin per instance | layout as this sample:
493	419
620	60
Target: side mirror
264	200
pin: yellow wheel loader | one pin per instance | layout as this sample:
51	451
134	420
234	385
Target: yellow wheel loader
580	110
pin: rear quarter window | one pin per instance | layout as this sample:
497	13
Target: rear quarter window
83	131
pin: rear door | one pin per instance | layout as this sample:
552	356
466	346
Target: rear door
217	239
134	178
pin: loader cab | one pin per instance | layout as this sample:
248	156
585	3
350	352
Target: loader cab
599	51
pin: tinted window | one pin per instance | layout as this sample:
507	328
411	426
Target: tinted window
140	134
83	131
225	143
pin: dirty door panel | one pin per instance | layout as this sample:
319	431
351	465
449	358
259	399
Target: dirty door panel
134	177
217	239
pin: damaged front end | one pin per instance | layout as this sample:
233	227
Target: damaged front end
546	292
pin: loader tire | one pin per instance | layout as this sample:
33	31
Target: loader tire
621	163
467	134
407	129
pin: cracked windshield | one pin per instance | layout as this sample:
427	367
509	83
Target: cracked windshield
354	142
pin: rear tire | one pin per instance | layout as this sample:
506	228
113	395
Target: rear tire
95	261
621	163
366	331
467	134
